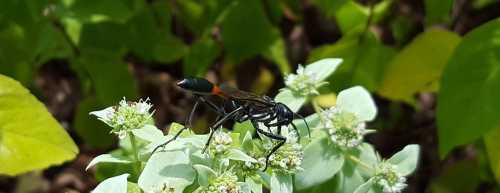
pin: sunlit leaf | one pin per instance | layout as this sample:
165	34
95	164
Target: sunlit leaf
28	132
287	97
107	158
406	160
357	100
171	168
204	173
281	183
321	162
419	65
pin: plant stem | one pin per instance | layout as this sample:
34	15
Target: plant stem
358	161
135	152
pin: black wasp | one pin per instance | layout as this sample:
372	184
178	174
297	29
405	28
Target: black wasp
242	106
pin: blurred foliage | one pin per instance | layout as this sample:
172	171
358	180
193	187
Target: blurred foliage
101	41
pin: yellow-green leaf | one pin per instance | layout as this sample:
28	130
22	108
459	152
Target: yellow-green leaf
492	146
30	138
419	65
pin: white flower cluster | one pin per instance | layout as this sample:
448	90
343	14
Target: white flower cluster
126	116
303	83
344	127
222	141
164	188
287	158
225	183
387	177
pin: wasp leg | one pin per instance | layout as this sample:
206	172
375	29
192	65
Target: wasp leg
199	99
189	119
219	123
305	122
281	138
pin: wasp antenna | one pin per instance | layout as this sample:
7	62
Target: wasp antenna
307	125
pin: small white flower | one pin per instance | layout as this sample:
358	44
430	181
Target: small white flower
225	183
288	158
126	116
344	127
387	177
303	83
221	141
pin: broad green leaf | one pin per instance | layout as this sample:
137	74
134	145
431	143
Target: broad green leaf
117	184
323	68
246	143
321	162
438	11
149	133
109	74
113	10
419	65
363	61
94	133
236	154
287	97
108	158
171	168
204	174
492	145
281	183
468	100
357	100
200	57
246	30
368	155
28	132
406	160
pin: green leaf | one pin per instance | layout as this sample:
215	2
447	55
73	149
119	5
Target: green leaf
254	186
406	160
492	145
468	100
236	154
246	31
349	178
171	168
108	158
133	188
25	124
438	11
200	56
117	184
350	15
281	183
357	100
323	68
95	133
366	187
113	10
204	174
149	133
363	61
109	74
321	162
277	53
419	65
287	97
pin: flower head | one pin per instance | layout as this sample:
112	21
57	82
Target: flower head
224	183
344	127
389	179
126	116
221	142
287	158
303	82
